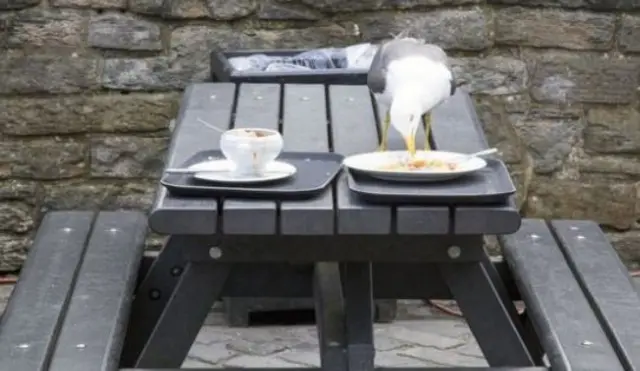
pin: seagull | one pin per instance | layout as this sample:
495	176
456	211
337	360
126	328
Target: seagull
410	78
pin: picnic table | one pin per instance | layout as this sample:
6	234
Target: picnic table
334	247
87	300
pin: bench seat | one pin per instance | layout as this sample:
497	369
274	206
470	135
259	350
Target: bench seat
579	297
70	306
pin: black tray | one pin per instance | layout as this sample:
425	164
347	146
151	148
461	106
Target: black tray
314	172
222	71
490	185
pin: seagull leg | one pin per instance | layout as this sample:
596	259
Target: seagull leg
426	119
385	132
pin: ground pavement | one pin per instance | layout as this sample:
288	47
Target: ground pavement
421	336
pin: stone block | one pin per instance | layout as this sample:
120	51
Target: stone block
148	7
81	114
19	190
125	32
127	156
492	75
16	217
188	9
77	195
157	73
338	6
554	28
550	141
45	158
44	27
575	4
273	10
17	4
629	33
561	77
39	73
94	4
602	200
13	251
228	10
463	29
613	130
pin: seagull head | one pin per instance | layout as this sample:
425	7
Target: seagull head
405	114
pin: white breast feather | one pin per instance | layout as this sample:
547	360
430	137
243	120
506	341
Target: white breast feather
429	79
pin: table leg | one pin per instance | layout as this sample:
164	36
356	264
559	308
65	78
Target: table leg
152	296
330	317
493	321
199	287
359	308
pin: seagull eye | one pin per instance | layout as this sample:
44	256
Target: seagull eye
411	117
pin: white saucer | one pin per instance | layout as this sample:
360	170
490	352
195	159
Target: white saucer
221	171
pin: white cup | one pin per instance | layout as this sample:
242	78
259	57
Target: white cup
250	150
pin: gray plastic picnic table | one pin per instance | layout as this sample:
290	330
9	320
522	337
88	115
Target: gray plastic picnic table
334	247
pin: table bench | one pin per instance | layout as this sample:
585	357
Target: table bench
579	296
70	307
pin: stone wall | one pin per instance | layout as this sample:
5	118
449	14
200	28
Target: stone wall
88	87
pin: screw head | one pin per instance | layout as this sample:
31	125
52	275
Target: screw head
586	343
176	271
215	252
154	294
454	252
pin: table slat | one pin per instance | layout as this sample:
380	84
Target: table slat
212	103
415	219
456	128
31	322
353	129
305	129
607	283
258	106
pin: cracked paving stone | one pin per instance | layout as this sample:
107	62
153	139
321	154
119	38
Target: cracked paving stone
442	357
245	361
213	353
383	342
453	328
211	335
470	349
302	357
392	359
262	348
424	338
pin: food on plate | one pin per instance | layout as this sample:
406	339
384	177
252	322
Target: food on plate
416	164
254	133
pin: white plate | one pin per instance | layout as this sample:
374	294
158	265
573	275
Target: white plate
370	164
221	171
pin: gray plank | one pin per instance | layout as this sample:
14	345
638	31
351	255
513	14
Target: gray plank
559	310
213	104
415	220
607	283
94	328
258	107
36	309
353	130
305	128
456	128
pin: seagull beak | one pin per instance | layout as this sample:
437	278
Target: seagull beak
410	141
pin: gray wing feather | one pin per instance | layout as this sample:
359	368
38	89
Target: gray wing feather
376	78
399	48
